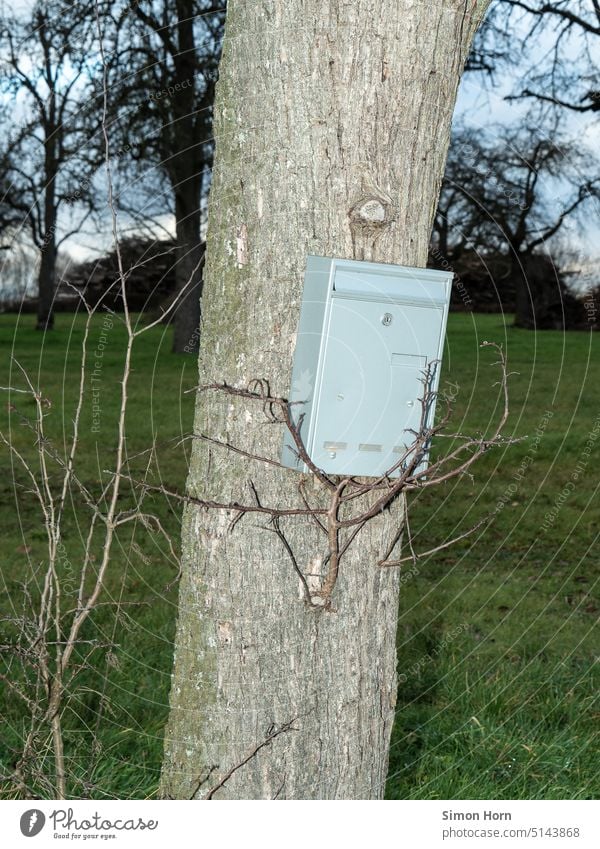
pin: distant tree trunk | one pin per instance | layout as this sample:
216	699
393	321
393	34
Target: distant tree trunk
535	292
188	270
47	269
186	171
46	285
524	313
540	294
332	126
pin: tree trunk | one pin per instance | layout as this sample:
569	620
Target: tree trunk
188	270
46	281
47	270
332	125
539	297
524	315
184	149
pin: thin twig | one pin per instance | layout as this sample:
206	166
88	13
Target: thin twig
391	563
272	735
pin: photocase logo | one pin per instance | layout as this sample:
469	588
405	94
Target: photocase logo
32	822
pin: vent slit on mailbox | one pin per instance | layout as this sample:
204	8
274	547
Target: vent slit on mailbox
369	334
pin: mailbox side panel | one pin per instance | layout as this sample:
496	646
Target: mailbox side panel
309	340
435	382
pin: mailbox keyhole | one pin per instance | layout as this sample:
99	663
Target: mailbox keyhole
386	319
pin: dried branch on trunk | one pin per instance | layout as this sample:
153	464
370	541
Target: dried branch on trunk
366	499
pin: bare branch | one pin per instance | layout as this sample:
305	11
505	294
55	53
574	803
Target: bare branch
272	735
414	557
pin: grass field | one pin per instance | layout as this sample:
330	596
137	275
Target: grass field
497	636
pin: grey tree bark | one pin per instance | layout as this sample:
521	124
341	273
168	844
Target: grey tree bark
332	126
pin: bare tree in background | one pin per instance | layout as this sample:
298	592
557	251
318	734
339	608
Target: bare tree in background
510	191
46	66
163	73
568	76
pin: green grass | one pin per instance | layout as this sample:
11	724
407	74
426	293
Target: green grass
118	708
497	695
498	636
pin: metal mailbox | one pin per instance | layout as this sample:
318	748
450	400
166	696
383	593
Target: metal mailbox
367	333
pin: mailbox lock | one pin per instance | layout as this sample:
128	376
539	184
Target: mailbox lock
386	319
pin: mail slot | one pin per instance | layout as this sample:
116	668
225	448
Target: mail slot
368	335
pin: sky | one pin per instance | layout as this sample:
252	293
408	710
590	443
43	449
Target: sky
481	103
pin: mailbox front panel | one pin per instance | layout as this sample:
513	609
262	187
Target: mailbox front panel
368	395
361	354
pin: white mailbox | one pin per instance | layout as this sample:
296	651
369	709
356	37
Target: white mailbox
367	334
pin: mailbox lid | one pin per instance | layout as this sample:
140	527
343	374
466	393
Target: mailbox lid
384	285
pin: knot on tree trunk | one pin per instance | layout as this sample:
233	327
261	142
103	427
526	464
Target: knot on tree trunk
372	212
370	218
